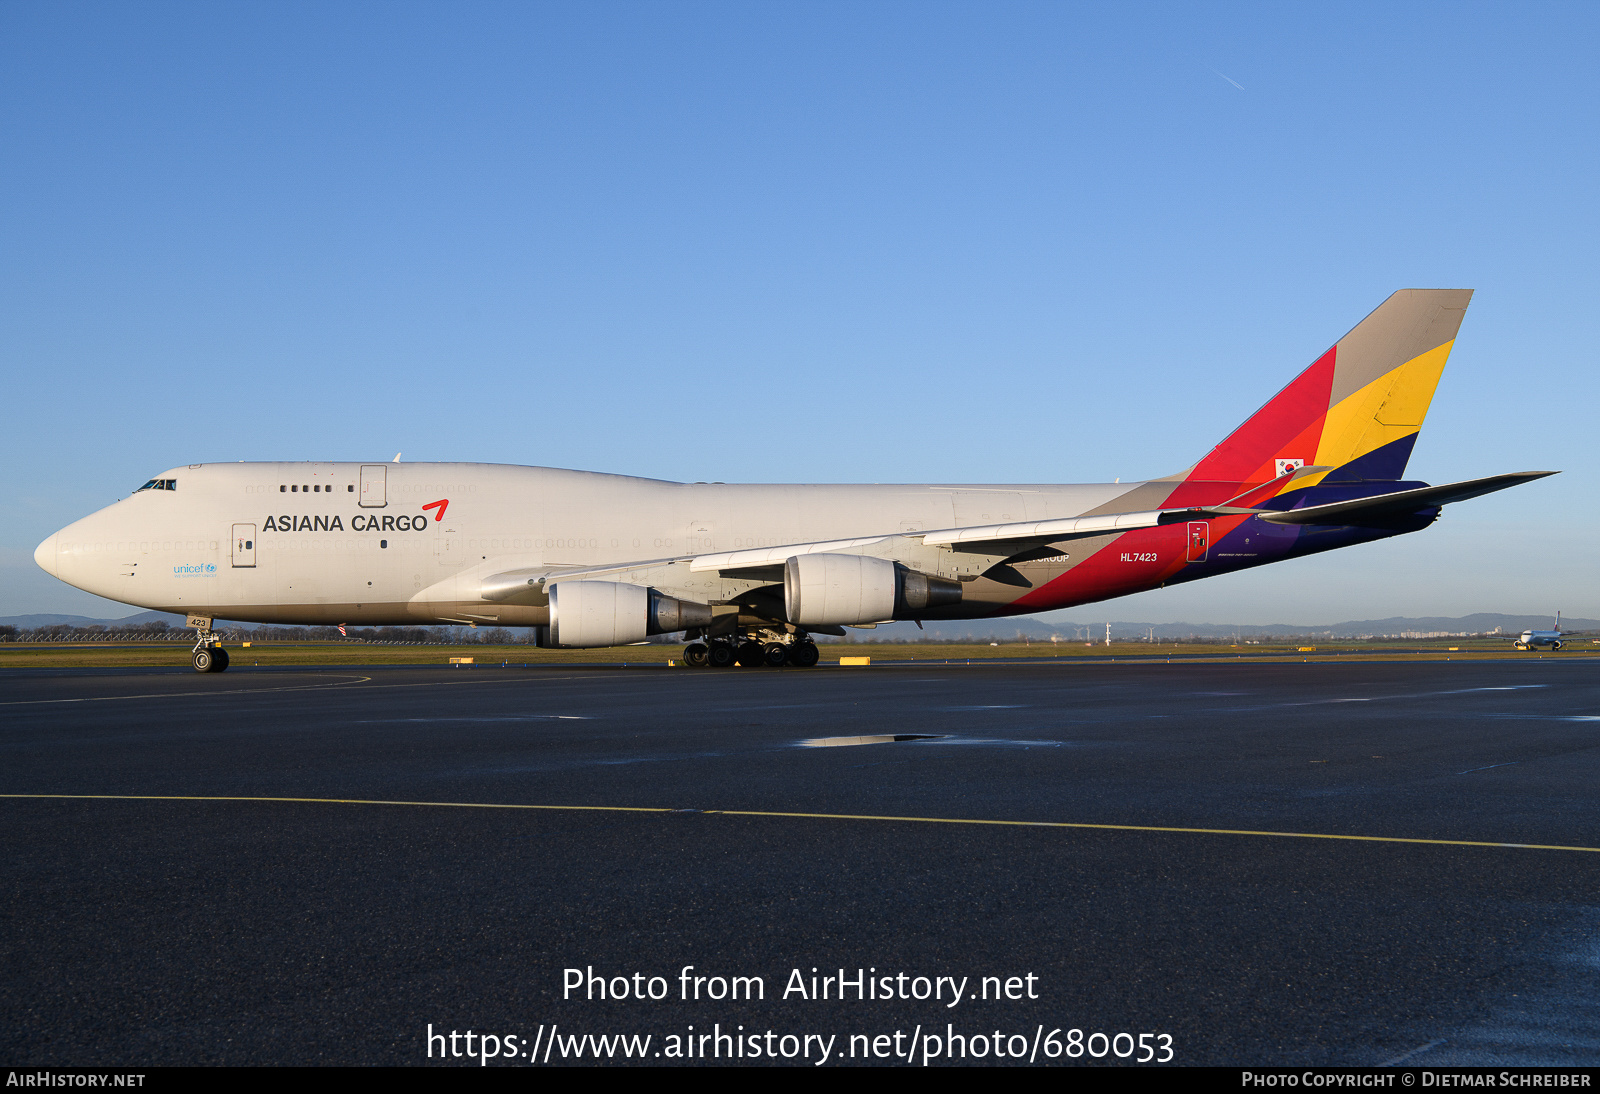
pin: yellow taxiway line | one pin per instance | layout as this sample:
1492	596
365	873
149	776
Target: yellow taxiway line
816	816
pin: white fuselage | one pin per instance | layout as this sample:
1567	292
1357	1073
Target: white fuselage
354	543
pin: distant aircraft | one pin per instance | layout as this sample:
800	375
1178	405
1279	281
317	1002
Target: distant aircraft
749	573
1532	640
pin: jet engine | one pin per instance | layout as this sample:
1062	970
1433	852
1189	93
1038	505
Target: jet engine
610	613
827	589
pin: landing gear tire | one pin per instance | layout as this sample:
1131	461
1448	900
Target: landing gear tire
695	655
221	664
1555	645
775	655
720	655
804	655
205	660
751	655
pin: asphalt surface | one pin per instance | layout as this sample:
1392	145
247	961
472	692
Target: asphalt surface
141	931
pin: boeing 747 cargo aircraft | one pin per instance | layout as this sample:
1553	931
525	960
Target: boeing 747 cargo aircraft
748	573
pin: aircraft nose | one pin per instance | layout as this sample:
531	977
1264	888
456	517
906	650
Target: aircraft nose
45	556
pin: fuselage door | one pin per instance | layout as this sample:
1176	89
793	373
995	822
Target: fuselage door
244	545
447	548
978	507
374	480
700	536
1199	540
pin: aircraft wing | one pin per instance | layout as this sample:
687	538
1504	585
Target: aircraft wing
1011	539
987	539
520	582
1403	501
1004	539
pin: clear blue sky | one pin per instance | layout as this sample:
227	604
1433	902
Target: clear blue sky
800	242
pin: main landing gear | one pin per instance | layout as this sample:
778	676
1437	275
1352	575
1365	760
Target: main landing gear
209	656
723	653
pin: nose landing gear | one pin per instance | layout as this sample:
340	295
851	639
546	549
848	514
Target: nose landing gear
209	656
210	659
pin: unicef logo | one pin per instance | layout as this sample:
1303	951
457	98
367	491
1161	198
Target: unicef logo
194	570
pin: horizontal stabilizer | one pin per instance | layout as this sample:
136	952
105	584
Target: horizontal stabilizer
1385	506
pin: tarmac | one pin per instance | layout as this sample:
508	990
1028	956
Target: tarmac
1292	863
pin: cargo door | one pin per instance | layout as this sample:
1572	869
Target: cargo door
244	545
449	546
978	507
374	485
700	537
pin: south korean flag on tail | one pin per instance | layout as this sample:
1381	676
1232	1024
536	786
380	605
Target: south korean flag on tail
1286	466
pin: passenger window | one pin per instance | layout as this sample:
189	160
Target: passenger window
383	543
282	489
350	489
296	489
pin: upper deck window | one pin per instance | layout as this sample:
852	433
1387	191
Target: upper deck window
159	484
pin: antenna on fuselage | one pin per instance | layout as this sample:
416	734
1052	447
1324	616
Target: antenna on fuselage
396	458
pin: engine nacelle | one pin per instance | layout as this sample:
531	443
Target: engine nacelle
824	589
610	613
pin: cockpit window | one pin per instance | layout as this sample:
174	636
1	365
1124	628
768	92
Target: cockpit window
159	484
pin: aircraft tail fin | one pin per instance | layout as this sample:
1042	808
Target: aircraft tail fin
1357	409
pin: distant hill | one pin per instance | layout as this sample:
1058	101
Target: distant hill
986	630
137	620
84	621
